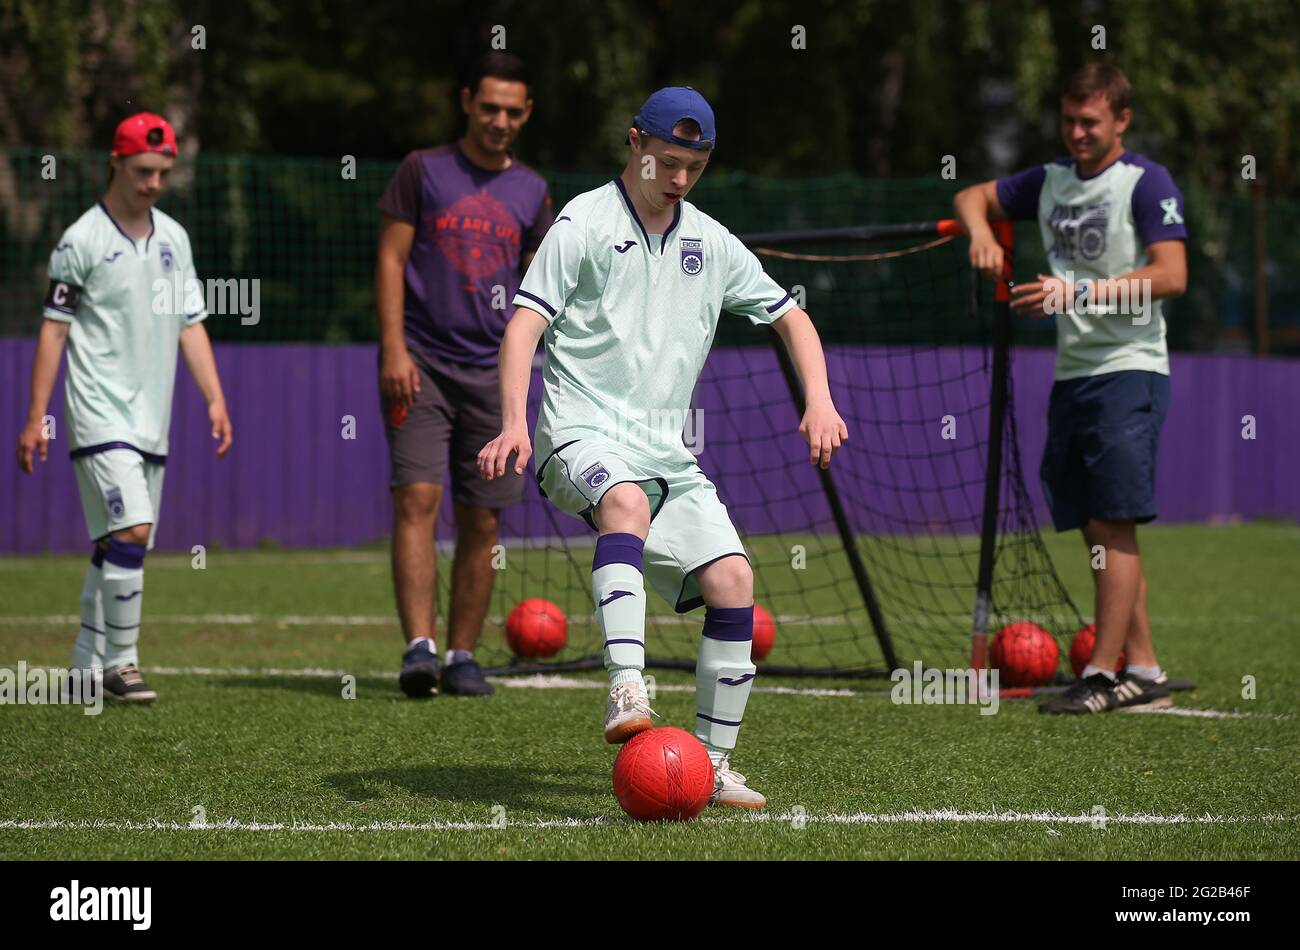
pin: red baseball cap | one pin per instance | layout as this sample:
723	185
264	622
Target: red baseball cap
144	132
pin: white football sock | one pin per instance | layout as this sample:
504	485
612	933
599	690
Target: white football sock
724	676
121	587
88	652
618	590
1145	672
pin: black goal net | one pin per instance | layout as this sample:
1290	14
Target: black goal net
911	541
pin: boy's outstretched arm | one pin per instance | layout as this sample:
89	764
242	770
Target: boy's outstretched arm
517	348
822	426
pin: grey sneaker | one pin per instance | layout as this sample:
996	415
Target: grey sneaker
125	685
729	788
627	714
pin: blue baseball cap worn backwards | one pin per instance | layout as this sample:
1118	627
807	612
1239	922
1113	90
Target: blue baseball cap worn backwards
670	105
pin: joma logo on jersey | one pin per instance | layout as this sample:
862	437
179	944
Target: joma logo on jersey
1079	230
692	255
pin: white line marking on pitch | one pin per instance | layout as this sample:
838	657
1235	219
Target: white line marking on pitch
940	816
534	681
557	681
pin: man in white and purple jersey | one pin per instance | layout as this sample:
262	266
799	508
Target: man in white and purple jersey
459	225
1112	227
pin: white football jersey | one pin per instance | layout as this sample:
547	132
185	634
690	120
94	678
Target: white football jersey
1095	228
127	302
631	318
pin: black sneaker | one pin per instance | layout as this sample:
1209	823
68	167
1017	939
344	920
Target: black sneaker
465	679
419	676
125	685
1092	695
1134	692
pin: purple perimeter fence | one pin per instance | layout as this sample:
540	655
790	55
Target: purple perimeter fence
292	477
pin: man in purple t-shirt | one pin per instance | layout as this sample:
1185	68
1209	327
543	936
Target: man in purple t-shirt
459	225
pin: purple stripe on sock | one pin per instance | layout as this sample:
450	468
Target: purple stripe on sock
729	623
86	626
116	627
618	549
738	681
637	642
97	556
125	554
720	722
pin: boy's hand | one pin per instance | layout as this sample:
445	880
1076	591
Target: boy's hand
1032	299
31	441
986	256
824	431
221	427
494	456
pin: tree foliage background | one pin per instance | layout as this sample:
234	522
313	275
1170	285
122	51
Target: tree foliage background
877	88
881	89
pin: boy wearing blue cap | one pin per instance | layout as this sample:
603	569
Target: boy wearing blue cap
627	288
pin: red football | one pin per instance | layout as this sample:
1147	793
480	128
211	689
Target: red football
1081	647
764	634
536	627
663	774
1025	654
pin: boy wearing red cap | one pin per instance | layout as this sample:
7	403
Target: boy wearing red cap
122	335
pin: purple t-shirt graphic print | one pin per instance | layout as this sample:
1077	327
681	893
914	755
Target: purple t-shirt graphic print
472	227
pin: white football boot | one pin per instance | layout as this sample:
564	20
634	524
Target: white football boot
628	713
729	788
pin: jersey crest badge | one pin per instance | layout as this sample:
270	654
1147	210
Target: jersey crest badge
595	476
692	256
165	252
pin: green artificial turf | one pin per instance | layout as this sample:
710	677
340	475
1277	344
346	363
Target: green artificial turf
252	727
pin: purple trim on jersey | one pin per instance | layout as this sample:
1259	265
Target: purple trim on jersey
735	624
109	446
125	554
1158	211
720	722
472	227
537	299
663	241
1018	193
104	208
778	305
618	549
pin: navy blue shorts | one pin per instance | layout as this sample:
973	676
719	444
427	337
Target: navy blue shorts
1100	458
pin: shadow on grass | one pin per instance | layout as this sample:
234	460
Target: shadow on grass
483	786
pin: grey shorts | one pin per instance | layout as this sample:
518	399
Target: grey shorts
456	412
